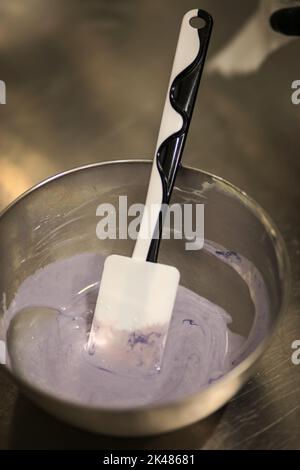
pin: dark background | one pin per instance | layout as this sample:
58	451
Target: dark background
86	82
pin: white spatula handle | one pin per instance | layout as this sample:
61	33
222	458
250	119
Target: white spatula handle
187	68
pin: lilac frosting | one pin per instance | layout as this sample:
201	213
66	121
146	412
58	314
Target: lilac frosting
49	349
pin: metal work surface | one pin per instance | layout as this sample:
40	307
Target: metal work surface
85	83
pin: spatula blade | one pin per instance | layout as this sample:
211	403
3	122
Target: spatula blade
132	315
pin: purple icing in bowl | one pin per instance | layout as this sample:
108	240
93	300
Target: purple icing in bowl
49	350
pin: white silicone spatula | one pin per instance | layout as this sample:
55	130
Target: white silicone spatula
137	295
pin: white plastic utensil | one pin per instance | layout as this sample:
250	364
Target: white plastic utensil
137	295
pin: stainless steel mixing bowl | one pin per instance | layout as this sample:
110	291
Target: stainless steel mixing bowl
57	219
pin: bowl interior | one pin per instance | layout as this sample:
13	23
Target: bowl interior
58	219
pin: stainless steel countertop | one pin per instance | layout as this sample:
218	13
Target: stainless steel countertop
85	83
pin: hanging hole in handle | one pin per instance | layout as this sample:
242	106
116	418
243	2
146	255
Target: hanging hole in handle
286	21
197	22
